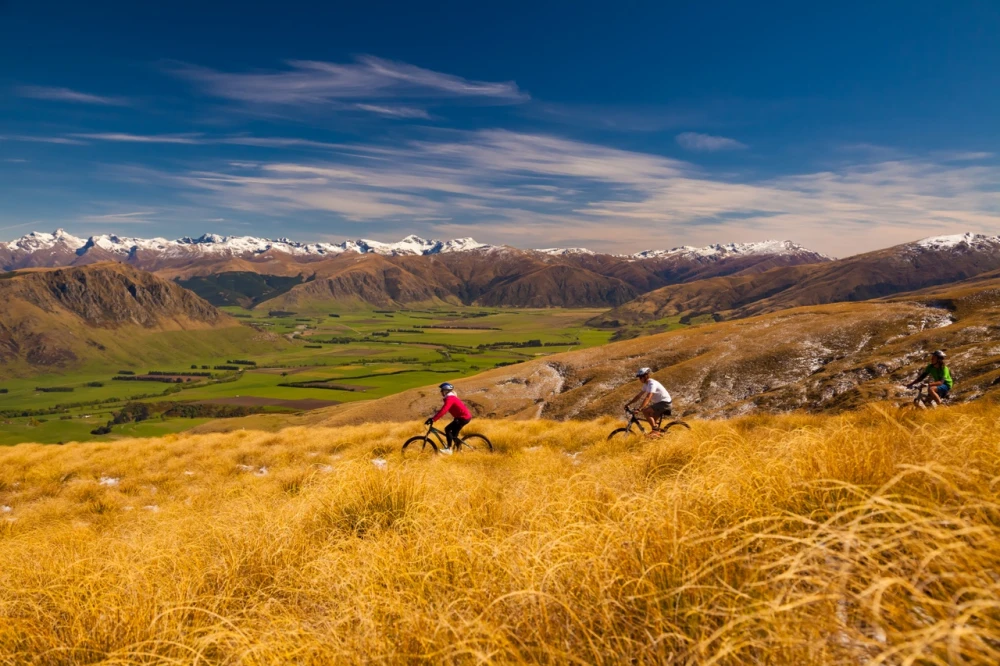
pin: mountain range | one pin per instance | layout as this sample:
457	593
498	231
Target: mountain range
62	248
227	270
925	263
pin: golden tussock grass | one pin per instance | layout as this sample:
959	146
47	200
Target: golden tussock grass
862	538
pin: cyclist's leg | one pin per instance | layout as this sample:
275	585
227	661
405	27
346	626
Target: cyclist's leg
452	429
934	393
647	412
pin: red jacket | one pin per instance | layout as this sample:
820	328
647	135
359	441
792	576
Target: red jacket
455	407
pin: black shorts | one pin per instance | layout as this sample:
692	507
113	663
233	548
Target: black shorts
452	429
661	408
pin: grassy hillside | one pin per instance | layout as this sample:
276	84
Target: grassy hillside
863	538
109	316
239	288
821	358
862	277
301	363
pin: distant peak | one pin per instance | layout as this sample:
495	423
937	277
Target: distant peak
956	240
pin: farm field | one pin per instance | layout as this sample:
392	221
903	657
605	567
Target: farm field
356	355
868	537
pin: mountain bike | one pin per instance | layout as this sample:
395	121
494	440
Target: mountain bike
426	443
634	425
923	399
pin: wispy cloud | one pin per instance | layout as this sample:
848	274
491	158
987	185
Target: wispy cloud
133	217
62	140
395	111
363	85
502	184
68	95
121	137
707	142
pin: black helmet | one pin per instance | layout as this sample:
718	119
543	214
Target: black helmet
938	354
446	387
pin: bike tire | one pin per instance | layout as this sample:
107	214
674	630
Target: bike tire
477	442
622	433
674	424
417	445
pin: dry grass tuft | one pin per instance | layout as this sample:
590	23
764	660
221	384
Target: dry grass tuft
863	538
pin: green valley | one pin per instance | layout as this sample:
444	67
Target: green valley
319	360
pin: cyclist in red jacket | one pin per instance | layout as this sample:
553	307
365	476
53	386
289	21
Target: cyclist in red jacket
460	414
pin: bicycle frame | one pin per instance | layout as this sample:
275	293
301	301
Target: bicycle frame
637	419
442	438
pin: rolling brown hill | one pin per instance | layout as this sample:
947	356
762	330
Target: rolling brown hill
62	318
823	358
894	270
494	277
412	271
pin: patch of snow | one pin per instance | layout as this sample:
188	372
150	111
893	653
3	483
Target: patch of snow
152	508
381	463
976	241
563	251
261	472
5	509
725	250
39	240
108	481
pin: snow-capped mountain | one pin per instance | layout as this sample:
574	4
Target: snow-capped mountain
956	241
61	248
723	250
39	240
564	251
711	252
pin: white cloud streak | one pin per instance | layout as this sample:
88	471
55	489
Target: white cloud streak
707	142
61	140
364	85
68	95
502	185
121	137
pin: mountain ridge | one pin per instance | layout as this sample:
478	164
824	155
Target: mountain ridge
216	244
907	267
112	312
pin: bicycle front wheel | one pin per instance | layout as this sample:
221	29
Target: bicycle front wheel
477	443
622	433
420	444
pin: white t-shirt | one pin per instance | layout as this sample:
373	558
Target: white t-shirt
656	388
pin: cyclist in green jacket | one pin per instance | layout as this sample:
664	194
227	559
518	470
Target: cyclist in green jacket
940	376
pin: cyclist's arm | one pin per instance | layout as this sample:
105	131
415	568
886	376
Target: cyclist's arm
634	398
645	401
919	379
449	401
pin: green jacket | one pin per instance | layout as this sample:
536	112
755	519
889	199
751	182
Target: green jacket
939	374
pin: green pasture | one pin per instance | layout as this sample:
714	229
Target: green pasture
369	354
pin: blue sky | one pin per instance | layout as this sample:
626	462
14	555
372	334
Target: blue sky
617	126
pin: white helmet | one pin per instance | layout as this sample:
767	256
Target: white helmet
642	371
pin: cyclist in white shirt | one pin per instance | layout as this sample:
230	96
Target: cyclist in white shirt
655	399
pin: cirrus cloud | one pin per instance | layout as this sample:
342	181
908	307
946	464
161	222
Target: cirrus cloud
708	142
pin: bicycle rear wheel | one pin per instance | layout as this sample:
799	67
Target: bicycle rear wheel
674	424
414	446
477	442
